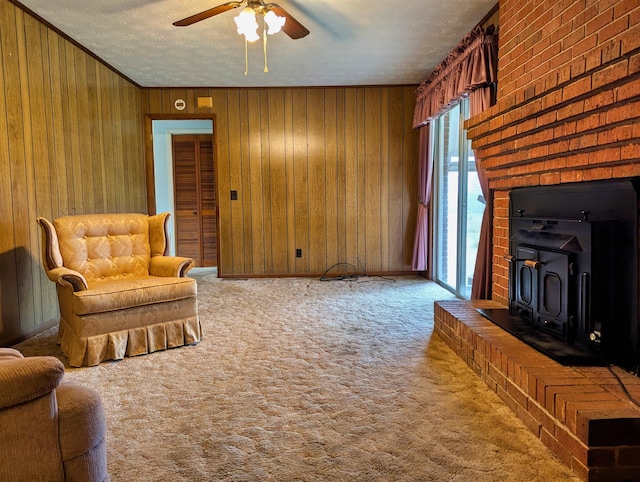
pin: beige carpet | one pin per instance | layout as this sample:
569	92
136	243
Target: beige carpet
303	380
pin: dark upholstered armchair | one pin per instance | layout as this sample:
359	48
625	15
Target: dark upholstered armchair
50	428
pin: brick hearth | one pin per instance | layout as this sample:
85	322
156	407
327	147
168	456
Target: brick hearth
580	413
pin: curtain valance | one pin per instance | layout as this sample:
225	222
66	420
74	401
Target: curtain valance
471	65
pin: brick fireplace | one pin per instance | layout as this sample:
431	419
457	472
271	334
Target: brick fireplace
573	271
567	111
574	122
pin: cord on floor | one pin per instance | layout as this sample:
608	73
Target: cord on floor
351	272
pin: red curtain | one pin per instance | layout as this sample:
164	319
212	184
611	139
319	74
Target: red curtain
472	65
482	274
470	70
425	173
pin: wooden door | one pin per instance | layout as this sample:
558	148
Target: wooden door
195	200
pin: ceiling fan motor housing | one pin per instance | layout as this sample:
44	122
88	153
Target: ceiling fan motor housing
257	5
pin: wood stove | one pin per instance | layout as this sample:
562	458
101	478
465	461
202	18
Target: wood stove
573	272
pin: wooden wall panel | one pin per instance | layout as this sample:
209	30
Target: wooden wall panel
223	175
255	187
317	183
300	221
360	164
273	125
70	143
265	160
396	227
9	310
341	174
330	171
351	169
290	186
373	192
236	254
332	181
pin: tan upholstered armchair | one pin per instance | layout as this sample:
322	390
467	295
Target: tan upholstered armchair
119	294
50	428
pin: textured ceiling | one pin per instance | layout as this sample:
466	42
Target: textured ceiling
352	42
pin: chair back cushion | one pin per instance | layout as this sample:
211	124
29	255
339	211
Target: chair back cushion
101	246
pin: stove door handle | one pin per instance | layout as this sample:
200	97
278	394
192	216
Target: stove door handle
532	263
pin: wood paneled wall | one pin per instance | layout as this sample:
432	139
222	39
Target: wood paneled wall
330	171
70	143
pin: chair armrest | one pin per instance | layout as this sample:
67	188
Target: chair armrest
68	277
25	379
81	424
9	354
170	266
51	257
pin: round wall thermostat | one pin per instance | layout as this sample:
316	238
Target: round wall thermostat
180	104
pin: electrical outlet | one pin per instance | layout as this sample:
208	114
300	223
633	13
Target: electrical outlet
298	253
234	195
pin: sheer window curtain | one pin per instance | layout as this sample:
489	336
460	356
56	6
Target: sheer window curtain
469	70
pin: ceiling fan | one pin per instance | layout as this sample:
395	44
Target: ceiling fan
291	27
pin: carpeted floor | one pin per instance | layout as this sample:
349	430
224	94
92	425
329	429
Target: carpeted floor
303	380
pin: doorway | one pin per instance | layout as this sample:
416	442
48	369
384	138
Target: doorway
161	178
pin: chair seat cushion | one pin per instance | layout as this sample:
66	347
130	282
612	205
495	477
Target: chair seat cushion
120	293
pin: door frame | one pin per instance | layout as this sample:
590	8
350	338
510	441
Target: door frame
150	163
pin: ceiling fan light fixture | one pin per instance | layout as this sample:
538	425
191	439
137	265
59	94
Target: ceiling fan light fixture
274	18
247	24
274	22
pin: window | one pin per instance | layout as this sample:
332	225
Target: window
458	202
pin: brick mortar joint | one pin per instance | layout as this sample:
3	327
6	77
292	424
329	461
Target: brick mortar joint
470	124
568	153
567	137
573	118
542	170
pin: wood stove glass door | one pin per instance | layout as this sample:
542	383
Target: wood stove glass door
526	282
553	292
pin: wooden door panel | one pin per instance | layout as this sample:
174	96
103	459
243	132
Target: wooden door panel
185	177
195	201
207	181
188	235
208	219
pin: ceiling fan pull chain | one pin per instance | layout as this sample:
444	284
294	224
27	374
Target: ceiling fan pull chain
246	56
264	46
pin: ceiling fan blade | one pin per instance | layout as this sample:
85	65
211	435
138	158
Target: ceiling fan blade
207	14
291	27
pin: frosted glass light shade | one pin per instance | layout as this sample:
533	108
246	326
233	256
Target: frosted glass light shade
247	24
274	22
